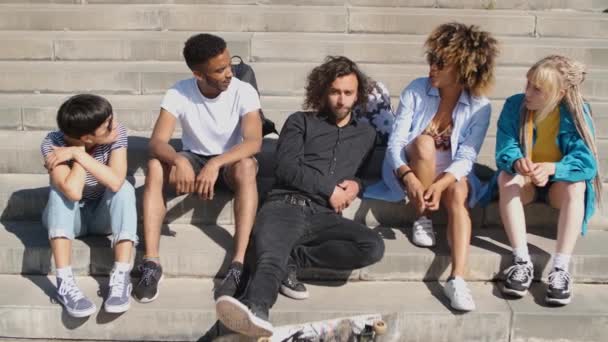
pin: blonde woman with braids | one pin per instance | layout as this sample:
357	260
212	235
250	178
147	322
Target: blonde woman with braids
439	127
545	150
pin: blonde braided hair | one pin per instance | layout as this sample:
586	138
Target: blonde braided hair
553	74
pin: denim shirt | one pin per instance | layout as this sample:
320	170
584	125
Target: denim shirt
418	105
577	164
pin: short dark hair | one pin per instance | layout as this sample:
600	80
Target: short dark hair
321	78
82	114
202	47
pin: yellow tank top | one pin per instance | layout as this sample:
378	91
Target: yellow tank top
545	147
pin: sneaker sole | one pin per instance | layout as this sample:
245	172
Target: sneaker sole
514	293
419	244
463	309
78	314
116	308
287	292
556	301
237	317
148	300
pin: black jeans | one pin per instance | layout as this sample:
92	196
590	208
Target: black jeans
313	235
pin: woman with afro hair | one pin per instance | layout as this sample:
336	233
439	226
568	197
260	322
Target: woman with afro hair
440	125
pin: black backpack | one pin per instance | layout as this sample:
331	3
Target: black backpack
244	72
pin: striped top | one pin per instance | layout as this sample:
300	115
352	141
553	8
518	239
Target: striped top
92	188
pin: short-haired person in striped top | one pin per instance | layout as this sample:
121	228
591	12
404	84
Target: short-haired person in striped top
87	164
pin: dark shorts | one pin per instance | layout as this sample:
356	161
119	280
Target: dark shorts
198	161
542	193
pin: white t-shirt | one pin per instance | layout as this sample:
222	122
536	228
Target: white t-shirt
210	126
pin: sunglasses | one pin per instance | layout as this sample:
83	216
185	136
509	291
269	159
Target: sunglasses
435	60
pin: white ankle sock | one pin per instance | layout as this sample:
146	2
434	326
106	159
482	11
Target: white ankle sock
122	266
64	272
522	253
561	260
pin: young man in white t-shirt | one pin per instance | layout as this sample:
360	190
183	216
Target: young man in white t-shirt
221	133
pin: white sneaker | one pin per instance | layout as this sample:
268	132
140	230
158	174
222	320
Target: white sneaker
459	294
422	232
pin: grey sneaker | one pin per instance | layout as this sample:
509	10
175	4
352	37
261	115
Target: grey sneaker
119	299
290	286
236	316
72	299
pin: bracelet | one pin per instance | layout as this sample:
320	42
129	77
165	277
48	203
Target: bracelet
405	173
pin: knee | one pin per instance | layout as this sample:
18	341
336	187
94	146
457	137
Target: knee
576	189
423	148
245	170
508	180
455	196
126	191
125	196
155	171
58	197
373	250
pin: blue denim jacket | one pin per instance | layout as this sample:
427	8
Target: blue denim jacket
417	106
577	164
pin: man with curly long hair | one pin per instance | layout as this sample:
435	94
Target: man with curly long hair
318	155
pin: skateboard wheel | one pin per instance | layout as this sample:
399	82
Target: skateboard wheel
263	339
380	327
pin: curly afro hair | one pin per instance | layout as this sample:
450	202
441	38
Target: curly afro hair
472	50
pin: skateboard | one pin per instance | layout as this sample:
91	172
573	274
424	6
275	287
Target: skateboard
362	328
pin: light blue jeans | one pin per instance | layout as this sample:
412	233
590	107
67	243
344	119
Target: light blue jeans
114	213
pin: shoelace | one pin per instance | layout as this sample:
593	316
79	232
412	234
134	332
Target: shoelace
117	284
423	225
148	274
559	279
292	279
68	287
520	273
235	274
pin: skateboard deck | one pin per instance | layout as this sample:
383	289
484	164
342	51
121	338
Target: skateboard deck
346	329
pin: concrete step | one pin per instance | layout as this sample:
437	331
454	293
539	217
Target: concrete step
274	79
285	18
32	112
271	47
26	112
24	196
413	311
581	5
205	250
37	112
21	151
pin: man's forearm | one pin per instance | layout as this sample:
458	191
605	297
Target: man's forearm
163	151
246	149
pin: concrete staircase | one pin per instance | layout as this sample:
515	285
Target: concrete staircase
130	52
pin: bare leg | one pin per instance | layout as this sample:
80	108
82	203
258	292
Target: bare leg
454	199
515	192
154	206
421	159
62	252
242	179
569	198
122	251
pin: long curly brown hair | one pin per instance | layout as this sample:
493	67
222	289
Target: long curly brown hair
472	50
320	80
